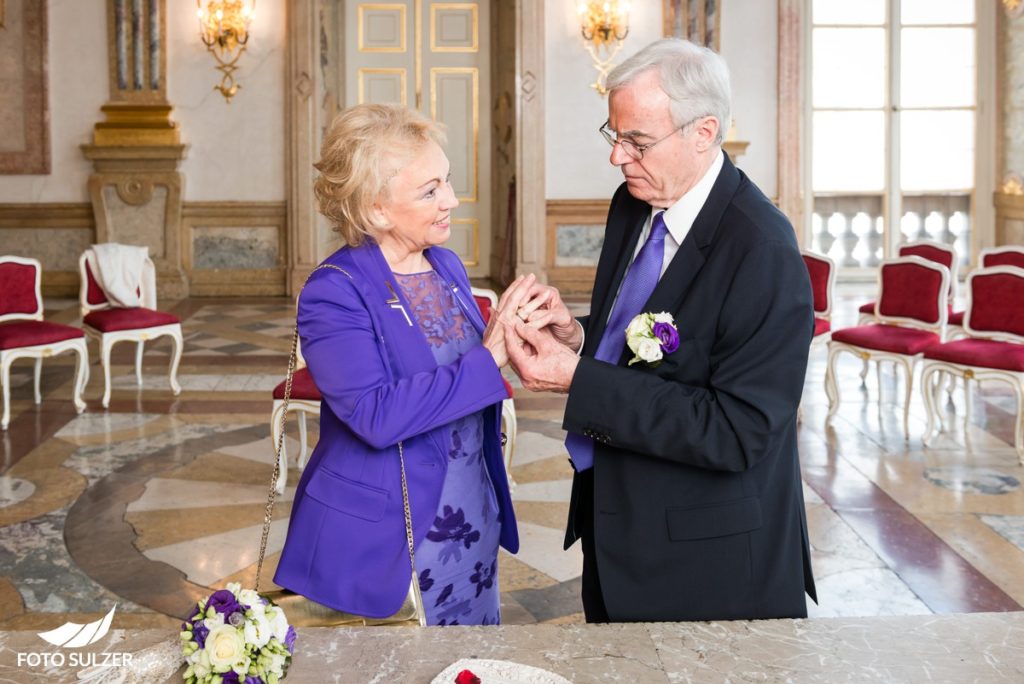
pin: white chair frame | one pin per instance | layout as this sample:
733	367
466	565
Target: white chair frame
830	290
140	336
930	389
40	351
301	408
867	355
867	319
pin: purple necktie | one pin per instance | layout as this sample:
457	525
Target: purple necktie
636	289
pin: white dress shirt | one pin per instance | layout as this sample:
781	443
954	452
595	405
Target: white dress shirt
680	216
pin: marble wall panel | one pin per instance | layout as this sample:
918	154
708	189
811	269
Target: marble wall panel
235	247
24	108
578	244
1013	96
141	225
57	249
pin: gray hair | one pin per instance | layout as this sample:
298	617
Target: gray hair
696	80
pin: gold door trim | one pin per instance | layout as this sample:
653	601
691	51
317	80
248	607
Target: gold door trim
434	72
475	47
401	22
474	239
361	92
418	53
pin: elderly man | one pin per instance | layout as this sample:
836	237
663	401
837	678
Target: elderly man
687	493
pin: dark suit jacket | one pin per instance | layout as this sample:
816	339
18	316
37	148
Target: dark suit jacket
699	511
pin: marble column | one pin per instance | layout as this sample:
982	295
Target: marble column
1009	197
135	187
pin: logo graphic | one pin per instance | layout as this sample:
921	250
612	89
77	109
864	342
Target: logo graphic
74	635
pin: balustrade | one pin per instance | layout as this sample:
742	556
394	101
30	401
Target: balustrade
849	229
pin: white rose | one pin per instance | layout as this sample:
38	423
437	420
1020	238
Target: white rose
639	326
251	599
664	318
225	647
278	624
257	630
202	662
277	664
649	350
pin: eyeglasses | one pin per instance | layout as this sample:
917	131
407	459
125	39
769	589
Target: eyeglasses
633	150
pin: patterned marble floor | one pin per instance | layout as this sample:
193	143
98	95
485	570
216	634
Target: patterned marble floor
153	502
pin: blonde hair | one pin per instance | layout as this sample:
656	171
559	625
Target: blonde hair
364	148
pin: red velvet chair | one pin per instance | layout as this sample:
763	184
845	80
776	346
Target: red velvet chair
994	350
926	249
822	272
911	313
24	333
1007	255
111	325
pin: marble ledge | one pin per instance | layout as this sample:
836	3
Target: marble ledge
946	648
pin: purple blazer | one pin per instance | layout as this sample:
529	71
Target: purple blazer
346	546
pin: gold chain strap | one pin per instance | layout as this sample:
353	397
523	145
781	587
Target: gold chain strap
272	497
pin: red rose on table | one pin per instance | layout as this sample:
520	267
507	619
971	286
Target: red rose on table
466	677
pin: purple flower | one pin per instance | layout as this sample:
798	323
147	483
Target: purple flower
199	633
224	602
230	677
668	336
289	639
253	680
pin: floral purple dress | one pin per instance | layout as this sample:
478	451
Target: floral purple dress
457	563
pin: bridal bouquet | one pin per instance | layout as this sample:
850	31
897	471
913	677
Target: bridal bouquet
650	336
235	635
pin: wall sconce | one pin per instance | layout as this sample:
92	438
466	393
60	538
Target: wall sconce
224	29
603	25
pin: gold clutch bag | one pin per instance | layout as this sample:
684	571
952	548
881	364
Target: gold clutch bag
303	612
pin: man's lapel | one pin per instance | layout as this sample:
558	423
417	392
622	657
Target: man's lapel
687	262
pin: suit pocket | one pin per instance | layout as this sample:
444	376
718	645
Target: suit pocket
716	520
347	496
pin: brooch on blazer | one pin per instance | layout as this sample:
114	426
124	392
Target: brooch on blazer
396	303
650	336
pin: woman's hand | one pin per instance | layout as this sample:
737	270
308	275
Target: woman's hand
495	335
494	340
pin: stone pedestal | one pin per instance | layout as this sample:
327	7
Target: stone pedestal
136	194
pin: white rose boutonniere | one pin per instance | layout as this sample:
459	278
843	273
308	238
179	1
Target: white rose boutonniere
650	336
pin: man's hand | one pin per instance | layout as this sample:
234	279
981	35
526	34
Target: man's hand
543	363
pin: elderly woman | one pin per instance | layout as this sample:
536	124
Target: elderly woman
399	351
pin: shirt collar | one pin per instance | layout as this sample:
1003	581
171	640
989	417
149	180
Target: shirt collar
680	216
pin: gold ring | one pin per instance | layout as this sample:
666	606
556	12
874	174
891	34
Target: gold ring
521	315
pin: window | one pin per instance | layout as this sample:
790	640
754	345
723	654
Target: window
892	119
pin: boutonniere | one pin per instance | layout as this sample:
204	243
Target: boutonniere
650	336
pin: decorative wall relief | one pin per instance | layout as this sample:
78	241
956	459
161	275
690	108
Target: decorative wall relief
24	105
698	21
